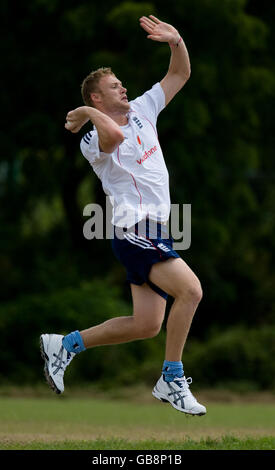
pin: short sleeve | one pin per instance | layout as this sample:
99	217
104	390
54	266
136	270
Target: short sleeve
89	146
151	103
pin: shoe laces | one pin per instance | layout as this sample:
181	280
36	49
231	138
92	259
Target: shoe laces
183	383
62	361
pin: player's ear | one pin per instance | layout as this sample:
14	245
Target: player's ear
95	97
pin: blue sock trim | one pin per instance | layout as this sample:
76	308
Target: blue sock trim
171	370
73	342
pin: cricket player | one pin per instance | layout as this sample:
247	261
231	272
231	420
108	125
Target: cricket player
124	152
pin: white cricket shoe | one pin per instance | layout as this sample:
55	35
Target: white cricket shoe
56	358
178	394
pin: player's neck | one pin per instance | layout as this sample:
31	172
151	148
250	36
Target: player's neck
120	118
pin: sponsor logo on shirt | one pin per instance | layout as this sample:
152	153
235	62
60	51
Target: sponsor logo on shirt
147	154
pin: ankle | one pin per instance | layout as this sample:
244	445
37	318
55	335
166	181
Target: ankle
73	342
171	370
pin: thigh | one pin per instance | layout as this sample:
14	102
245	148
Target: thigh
148	306
174	277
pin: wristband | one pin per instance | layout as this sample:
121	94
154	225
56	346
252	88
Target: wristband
177	43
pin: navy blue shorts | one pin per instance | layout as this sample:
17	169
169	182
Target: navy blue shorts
141	246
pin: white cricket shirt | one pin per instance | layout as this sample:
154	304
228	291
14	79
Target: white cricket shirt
135	174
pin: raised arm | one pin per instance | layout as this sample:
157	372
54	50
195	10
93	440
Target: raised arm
179	68
109	133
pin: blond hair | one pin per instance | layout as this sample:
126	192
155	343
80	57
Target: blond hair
90	84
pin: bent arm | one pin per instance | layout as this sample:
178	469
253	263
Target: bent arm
110	135
179	68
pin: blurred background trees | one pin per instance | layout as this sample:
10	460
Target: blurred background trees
218	140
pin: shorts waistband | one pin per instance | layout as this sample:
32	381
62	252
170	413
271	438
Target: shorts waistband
156	221
145	227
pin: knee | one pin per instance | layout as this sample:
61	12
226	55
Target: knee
153	330
149	330
192	292
196	292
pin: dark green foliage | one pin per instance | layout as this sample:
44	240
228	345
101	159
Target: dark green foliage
237	357
22	322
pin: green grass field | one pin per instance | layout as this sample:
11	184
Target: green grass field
75	423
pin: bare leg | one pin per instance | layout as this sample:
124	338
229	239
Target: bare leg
178	280
148	314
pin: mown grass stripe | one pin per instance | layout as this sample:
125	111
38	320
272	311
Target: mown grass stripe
224	443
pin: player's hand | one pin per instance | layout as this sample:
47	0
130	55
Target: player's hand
76	119
158	30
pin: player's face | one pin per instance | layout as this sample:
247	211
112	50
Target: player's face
113	94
